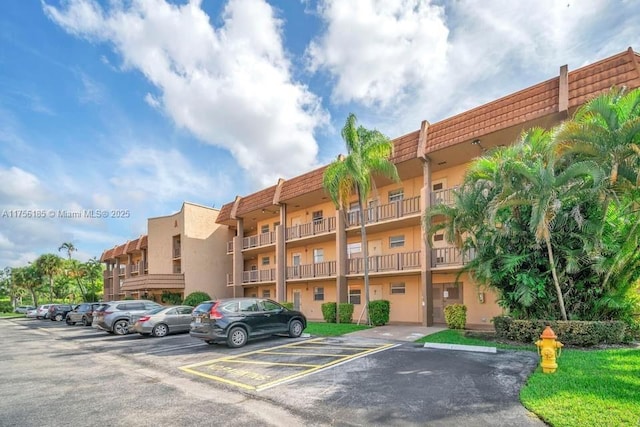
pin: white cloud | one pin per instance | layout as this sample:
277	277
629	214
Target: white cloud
20	188
230	86
378	50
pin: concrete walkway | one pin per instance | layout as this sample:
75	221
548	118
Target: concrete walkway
408	333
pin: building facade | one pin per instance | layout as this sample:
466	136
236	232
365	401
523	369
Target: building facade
291	244
182	253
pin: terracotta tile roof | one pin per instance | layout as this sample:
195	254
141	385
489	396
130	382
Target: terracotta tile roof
108	254
131	246
405	147
261	199
302	184
619	70
118	251
533	102
144	242
225	212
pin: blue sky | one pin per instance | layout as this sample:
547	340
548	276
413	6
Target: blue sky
136	106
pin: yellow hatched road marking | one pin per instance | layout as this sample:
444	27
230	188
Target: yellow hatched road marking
255	362
213	377
305	354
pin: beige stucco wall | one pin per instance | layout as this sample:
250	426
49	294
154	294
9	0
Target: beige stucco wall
312	309
160	241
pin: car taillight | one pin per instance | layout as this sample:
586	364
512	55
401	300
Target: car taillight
214	313
144	318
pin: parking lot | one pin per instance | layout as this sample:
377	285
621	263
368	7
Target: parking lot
273	381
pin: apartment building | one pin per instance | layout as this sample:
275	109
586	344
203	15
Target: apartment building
291	244
182	253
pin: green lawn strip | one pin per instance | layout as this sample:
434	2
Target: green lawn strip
590	388
10	315
451	336
332	329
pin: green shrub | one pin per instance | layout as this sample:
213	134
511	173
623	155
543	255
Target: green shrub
172	298
571	332
456	316
288	305
329	312
379	312
6	307
195	298
345	311
128	297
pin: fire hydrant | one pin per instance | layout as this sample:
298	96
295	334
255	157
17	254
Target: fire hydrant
549	349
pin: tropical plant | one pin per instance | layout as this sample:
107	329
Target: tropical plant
67	247
49	265
28	278
368	153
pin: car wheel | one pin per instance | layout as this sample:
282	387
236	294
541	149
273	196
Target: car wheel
295	328
58	317
237	337
121	327
160	330
85	321
69	322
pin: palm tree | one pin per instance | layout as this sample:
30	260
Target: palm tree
368	153
68	247
28	278
49	265
535	181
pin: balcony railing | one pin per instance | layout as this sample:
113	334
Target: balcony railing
259	240
176	252
393	210
383	263
257	276
451	256
230	247
229	279
320	269
320	226
177	269
135	268
122	270
444	196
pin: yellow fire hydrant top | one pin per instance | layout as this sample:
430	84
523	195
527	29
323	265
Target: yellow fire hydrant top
549	350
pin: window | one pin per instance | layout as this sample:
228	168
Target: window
354	207
438	237
266	293
248	305
354	249
275	224
295	259
265	260
438	186
397	288
318	255
316	217
396	195
270	306
396	241
264	228
354	296
318	294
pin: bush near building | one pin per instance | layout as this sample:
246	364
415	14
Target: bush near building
455	315
379	312
195	298
329	312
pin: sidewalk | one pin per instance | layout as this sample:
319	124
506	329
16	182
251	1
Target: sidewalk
408	333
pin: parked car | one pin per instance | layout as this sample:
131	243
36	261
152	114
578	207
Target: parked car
23	308
43	311
163	321
236	320
58	312
115	316
83	313
32	313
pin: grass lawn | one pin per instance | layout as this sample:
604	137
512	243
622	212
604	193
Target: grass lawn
10	315
590	388
332	329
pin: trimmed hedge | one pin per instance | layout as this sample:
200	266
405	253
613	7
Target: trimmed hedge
455	315
329	312
287	305
346	312
571	332
6	307
379	312
195	298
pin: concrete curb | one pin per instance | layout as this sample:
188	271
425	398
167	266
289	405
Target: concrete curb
460	347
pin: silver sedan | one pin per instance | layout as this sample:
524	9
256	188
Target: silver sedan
163	321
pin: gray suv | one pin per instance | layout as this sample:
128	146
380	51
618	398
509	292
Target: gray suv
115	316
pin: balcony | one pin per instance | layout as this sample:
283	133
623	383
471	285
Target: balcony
229	279
122	270
263	239
390	211
230	247
451	256
444	196
177	269
153	281
135	268
308	271
259	276
404	261
319	226
176	253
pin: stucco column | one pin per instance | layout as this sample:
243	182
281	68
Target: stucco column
342	294
281	256
116	279
127	271
238	259
426	279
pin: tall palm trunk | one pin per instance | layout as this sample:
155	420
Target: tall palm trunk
556	282
365	253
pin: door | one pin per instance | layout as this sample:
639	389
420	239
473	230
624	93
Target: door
375	250
251	315
375	292
184	318
445	294
295	228
296	300
276	320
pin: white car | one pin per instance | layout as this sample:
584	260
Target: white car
32	313
43	311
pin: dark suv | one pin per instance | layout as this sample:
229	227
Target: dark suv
57	312
83	313
236	320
